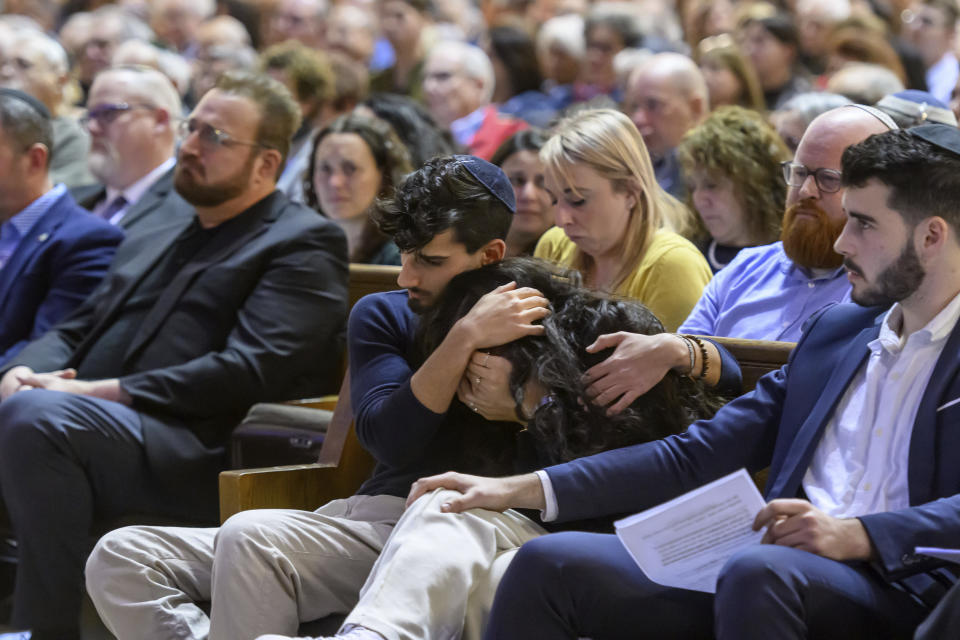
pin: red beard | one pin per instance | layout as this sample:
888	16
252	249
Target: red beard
808	241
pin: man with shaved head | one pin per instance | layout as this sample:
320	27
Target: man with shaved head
666	96
768	292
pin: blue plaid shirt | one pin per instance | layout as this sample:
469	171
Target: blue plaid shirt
16	228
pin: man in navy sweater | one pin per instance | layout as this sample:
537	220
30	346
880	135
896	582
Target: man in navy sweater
265	571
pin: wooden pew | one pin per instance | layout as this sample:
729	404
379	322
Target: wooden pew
344	464
756	357
371	278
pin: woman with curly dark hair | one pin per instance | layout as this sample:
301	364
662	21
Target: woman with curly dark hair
445	566
732	163
354	160
550	393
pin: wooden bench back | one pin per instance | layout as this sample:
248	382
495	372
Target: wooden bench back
371	278
756	357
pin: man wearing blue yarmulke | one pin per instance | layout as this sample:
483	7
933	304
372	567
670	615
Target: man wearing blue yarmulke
265	571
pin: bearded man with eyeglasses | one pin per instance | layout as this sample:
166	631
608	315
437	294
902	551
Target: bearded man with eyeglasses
132	115
242	301
768	292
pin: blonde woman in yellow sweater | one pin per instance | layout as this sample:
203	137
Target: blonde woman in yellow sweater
614	223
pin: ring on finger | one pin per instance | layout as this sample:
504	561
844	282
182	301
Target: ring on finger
477	380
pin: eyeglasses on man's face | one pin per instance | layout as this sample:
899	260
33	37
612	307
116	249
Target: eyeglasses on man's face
211	137
795	174
920	20
105	114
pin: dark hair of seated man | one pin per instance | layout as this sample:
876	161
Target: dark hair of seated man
442	194
566	425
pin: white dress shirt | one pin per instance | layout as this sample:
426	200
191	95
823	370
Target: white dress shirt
860	465
132	193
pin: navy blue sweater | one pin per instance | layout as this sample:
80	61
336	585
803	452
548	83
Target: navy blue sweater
408	440
404	437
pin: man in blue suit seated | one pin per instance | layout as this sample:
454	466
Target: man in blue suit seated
52	252
859	431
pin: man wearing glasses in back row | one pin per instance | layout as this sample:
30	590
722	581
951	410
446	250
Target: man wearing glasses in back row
768	292
126	405
132	117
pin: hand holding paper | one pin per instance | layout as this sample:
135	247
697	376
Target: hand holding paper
685	542
798	524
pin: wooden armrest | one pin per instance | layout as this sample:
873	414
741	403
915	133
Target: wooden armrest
299	486
341	469
756	357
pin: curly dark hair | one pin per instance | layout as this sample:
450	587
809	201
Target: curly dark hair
567	424
441	195
390	156
924	179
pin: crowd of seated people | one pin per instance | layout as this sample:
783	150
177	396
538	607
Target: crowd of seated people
184	185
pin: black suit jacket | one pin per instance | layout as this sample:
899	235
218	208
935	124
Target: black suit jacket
161	197
257	315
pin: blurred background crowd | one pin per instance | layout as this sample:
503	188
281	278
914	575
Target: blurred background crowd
720	90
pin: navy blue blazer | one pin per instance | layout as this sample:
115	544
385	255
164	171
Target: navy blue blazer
52	270
778	425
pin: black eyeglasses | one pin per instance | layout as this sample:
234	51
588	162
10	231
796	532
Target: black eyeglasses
795	174
105	114
212	137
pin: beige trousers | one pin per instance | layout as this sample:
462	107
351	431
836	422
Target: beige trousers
265	571
438	573
262	571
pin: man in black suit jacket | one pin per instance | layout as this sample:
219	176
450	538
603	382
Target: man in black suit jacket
242	303
132	115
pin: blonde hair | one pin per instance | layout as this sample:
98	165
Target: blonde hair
607	141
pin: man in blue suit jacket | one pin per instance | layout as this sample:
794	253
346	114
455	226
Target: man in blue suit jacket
859	431
52	252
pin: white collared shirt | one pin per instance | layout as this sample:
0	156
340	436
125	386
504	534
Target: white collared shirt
134	192
861	463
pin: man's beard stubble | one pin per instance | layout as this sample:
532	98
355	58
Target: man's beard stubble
210	195
808	241
898	281
102	163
